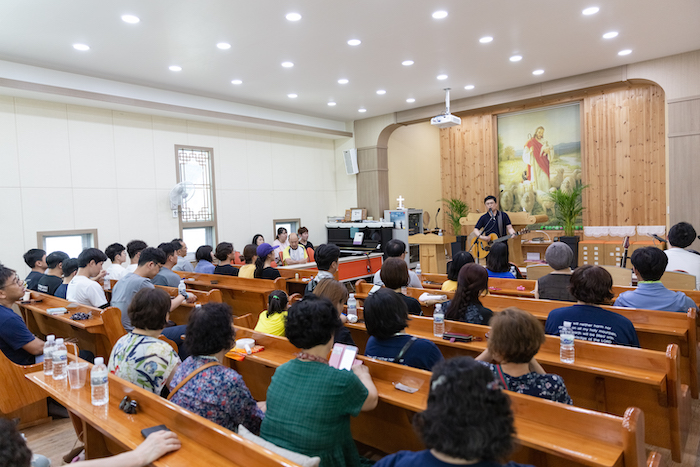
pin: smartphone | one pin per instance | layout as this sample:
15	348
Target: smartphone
343	356
147	431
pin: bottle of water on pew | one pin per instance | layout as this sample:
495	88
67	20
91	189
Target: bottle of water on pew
181	287
99	382
352	308
418	271
566	343
48	358
107	285
438	321
59	357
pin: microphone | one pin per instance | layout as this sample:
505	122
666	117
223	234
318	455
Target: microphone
656	237
436	218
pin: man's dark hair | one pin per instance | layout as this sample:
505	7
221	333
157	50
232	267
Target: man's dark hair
591	284
650	263
458	260
467	417
203	253
311	322
223	249
168	248
177	242
135	247
32	256
13	448
497	260
394	248
473	279
70	266
394	273
56	258
490	197
152	254
249	253
6	273
91	254
386	314
209	329
682	235
325	255
149	309
114	250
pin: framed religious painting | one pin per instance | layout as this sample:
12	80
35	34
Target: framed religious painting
539	151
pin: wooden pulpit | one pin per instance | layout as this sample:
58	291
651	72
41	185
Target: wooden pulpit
519	220
432	251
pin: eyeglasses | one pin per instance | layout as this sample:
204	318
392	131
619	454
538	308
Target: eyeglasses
15	281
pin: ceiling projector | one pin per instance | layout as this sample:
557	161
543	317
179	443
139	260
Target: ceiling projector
446	119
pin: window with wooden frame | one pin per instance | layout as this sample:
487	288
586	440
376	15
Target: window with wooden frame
71	242
197	213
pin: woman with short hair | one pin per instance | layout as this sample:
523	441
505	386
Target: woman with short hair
468	420
281	241
386	317
303	233
204	257
497	263
514	340
337	293
225	254
309	403
458	260
258	240
555	285
394	275
202	384
139	356
473	281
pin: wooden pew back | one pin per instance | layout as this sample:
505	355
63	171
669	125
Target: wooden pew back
181	314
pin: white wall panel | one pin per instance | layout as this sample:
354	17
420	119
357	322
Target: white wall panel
133	141
9	158
91	145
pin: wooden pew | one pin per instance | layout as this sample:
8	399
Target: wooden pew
550	434
243	295
107	430
295	285
496	285
181	314
97	334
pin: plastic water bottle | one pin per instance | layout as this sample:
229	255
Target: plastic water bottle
418	270
59	356
48	358
566	341
352	307
107	285
99	382
181	287
438	321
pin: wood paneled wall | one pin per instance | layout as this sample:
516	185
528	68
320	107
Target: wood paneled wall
623	154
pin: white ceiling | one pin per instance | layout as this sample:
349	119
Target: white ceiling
551	35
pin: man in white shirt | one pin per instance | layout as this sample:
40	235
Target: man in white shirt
397	249
681	236
134	248
294	253
116	253
183	264
84	290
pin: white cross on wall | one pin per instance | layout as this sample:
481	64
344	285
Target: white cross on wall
400	199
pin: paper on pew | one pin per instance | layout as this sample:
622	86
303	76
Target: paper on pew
431	299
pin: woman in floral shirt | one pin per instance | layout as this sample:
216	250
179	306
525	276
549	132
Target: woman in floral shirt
140	357
514	340
217	393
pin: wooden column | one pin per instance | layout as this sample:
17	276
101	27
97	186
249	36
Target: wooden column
373	180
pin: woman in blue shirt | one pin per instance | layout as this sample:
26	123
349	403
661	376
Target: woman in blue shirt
204	259
497	263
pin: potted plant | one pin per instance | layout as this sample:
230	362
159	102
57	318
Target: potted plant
568	207
456	209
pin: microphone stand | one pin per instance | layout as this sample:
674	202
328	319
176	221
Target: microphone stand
476	239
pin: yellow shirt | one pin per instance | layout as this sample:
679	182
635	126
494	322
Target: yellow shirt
272	325
247	271
447	286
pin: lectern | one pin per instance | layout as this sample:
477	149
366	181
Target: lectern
432	251
519	220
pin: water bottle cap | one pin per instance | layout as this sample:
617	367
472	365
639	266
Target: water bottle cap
438	307
59	341
99	361
50	337
352	295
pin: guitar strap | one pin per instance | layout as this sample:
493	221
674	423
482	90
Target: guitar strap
500	224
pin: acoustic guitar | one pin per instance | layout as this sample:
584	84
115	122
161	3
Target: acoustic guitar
483	247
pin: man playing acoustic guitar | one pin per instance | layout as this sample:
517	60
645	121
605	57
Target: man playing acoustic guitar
494	220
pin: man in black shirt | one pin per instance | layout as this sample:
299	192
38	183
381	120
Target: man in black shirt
53	278
36	260
494	221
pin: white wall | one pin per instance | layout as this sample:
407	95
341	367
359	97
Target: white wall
65	167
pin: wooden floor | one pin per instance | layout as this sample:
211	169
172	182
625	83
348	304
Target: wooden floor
56	439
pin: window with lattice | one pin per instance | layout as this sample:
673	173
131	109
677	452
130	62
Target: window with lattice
198	208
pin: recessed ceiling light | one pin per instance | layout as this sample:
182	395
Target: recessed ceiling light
407	62
591	11
292	96
486	39
538	72
343	81
175	68
469	87
81	47
293	16
354	42
441	76
131	19
287	64
440	14
331	104
223	45
624	52
362	110
236	81
610	35
516	58
381	92
410	100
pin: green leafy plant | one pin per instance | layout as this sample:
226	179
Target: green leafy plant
456	209
569	207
